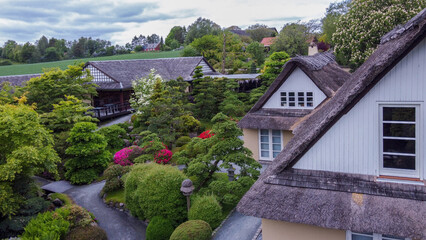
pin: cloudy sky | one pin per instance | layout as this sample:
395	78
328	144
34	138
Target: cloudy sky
118	21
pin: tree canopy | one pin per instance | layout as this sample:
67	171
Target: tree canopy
201	27
292	39
359	31
25	149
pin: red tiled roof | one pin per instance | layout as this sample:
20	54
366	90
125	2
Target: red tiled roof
268	41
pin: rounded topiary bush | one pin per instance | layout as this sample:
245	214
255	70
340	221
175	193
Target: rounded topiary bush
154	190
182	141
208	209
86	233
159	228
192	230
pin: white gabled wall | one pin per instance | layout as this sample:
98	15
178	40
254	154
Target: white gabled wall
98	76
298	81
352	144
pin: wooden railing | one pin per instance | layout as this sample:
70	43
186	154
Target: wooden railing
111	110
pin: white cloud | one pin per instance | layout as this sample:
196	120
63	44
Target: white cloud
119	21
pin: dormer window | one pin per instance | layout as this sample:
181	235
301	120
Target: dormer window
297	99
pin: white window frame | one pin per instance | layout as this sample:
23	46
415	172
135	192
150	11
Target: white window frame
401	172
271	152
375	236
296	99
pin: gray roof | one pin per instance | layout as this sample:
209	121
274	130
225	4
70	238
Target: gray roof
366	206
125	71
321	68
236	76
17	80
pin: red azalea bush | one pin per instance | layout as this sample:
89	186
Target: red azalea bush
206	134
163	156
121	157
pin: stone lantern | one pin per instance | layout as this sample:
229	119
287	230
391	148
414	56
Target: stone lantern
231	173
187	188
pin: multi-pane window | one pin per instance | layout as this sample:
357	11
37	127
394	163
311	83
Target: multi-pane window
297	99
370	236
270	143
399	145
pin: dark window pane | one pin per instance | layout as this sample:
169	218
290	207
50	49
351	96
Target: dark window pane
283	104
399	130
300	94
301	99
309	104
291	99
399	114
283	94
291	94
309	94
359	237
310	99
292	104
400	162
301	104
399	146
284	99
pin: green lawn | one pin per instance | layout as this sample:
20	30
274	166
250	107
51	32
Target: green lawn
116	196
19	69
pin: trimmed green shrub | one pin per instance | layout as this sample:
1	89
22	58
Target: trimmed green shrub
182	141
192	230
230	192
89	156
111	134
78	216
33	206
5	62
154	190
159	228
86	233
48	225
113	176
206	208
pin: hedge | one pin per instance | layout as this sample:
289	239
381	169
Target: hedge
192	230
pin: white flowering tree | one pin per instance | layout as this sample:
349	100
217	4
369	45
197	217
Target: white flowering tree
359	31
143	89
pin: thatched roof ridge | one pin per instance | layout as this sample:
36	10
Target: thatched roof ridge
333	208
126	71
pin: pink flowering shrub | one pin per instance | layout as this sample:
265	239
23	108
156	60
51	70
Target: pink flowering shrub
163	156
121	157
206	134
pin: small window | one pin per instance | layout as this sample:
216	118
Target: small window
297	99
399	143
270	142
370	236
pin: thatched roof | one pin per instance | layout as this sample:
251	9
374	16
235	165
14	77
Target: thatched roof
378	208
17	80
321	68
125	71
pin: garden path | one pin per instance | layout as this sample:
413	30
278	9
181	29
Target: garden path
121	119
238	227
118	225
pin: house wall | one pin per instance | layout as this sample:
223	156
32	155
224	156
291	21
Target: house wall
98	76
298	81
352	145
278	230
251	140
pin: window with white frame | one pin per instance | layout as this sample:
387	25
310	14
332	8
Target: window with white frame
270	143
399	131
297	99
370	236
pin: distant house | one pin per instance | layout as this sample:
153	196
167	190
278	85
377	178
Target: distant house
267	42
115	77
17	80
152	47
356	167
305	83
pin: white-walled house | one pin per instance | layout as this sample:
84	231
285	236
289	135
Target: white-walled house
356	167
305	83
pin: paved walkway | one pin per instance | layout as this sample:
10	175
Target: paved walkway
118	225
121	119
238	227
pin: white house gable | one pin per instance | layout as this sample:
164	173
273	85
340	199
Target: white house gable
366	141
205	67
297	92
